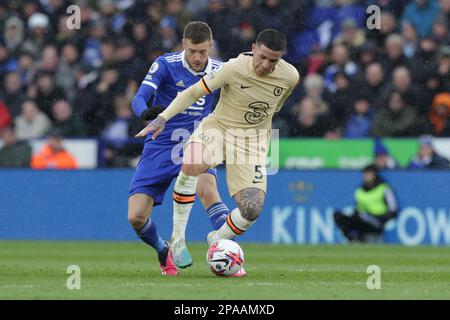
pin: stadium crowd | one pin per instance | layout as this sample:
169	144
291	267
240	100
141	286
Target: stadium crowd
357	82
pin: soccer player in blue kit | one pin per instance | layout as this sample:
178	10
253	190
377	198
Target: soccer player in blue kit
169	75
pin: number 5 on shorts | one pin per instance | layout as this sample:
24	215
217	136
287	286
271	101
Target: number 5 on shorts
258	175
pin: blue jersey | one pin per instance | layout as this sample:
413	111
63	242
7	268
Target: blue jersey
167	76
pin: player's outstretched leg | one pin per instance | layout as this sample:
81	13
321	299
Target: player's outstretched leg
184	190
211	201
250	203
139	208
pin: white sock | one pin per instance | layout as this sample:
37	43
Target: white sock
183	201
234	226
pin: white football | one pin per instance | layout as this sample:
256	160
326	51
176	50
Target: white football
225	257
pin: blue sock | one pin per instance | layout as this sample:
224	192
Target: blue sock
149	234
218	213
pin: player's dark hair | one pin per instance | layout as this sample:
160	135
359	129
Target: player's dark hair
272	39
197	32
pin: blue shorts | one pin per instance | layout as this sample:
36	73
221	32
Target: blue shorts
155	172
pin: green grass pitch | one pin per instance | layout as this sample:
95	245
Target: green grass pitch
129	270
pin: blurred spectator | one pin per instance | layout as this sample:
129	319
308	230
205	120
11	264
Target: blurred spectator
176	9
108	10
5	116
424	61
277	16
341	101
309	121
54	9
394	7
14	153
53	155
169	33
120	144
421	13
98	109
66	71
315	61
315	89
7	63
444	67
220	19
427	158
49	59
373	84
195	6
439	115
445	9
340	62
45	92
65	35
376	204
69	124
397	119
388	24
409	40
440	31
30	7
86	78
42	59
383	160
13	34
248	21
359	124
367	55
26	68
107	51
394	56
14	94
140	37
38	34
431	87
351	37
402	82
131	69
91	53
31	123
154	13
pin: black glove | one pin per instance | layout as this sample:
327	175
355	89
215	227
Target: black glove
151	113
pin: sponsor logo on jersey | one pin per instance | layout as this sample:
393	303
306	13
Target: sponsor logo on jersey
258	113
180	83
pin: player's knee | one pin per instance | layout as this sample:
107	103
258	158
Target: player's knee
137	219
193	169
250	203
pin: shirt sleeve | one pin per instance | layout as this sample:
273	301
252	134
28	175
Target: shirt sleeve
217	78
391	201
155	77
294	82
208	84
